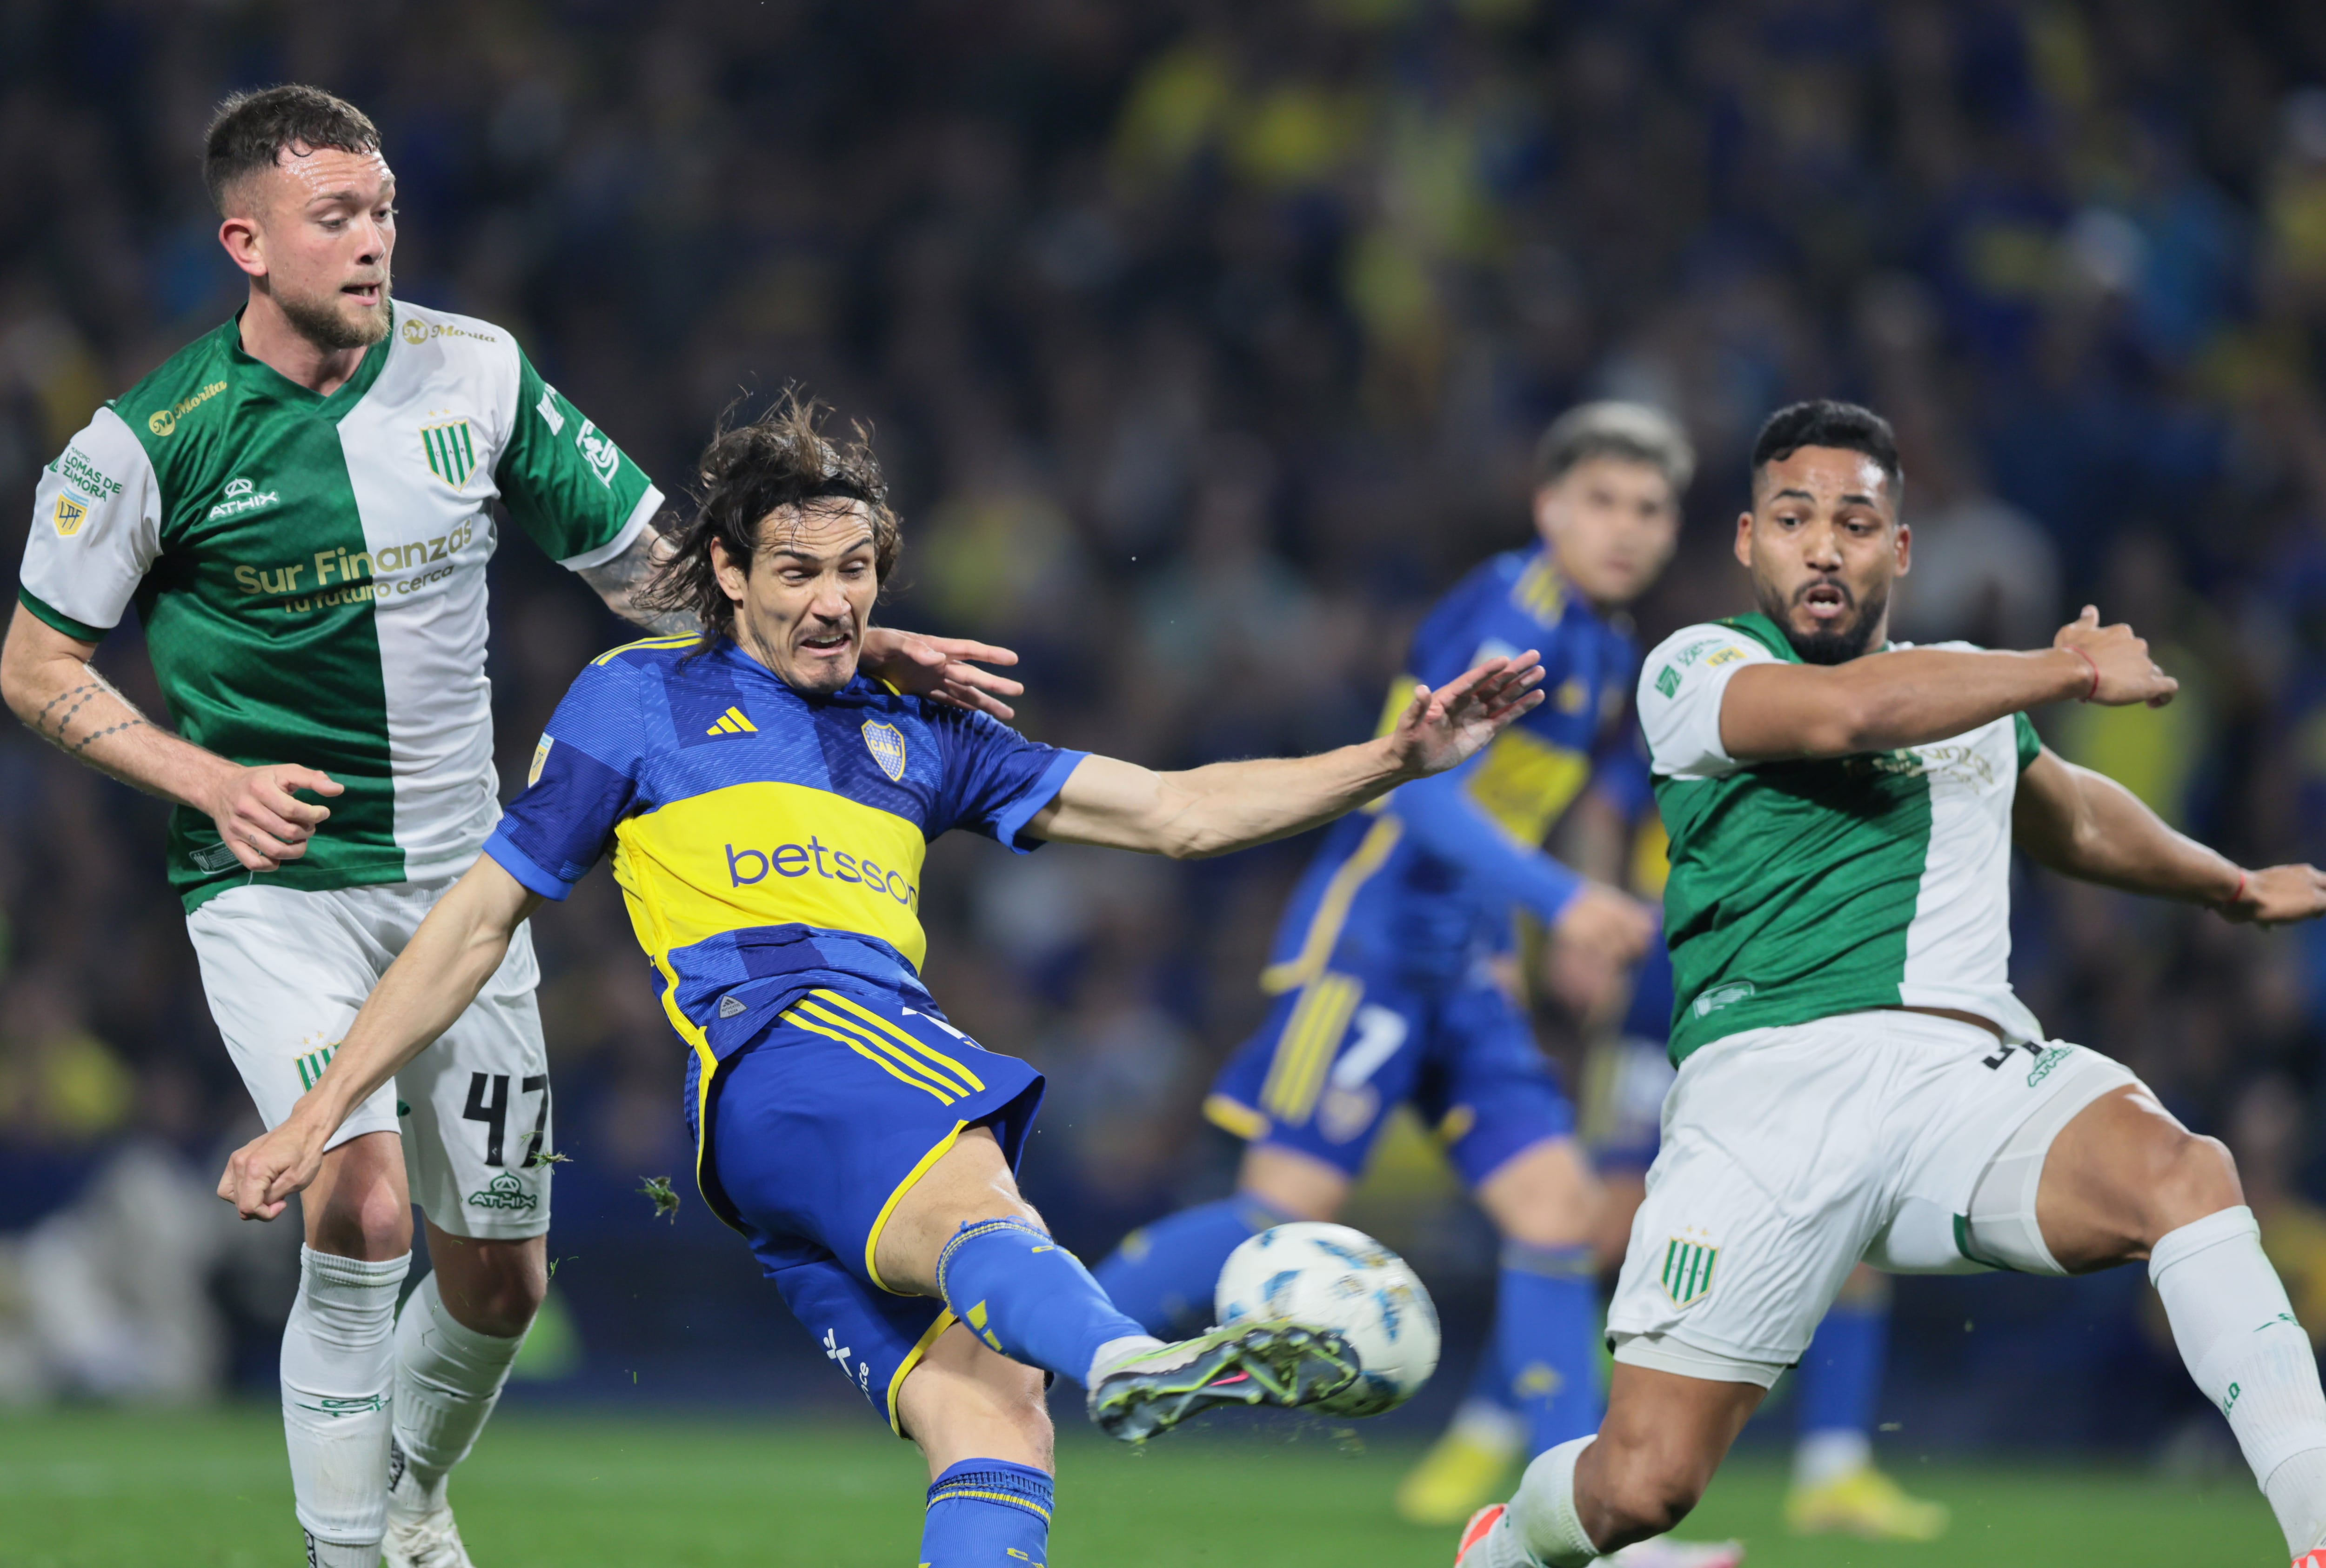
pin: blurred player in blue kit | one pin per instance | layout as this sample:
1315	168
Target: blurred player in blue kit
767	808
1385	967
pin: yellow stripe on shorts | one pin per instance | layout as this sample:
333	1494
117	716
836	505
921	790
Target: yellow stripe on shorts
1311	1041
797	1021
882	1043
939	1057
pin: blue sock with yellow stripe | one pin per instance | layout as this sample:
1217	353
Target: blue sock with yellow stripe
987	1513
1028	1297
1546	1332
1163	1274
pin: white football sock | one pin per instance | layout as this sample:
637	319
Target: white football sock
337	1376
1819	1457
2240	1340
1541	1529
1114	1353
448	1378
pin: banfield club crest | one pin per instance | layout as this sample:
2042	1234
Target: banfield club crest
1688	1260
451	455
887	745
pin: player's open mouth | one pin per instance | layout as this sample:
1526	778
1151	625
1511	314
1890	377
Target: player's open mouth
826	642
362	293
1825	602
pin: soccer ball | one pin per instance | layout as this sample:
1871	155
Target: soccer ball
1329	1276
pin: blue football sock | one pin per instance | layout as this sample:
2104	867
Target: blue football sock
1028	1297
987	1513
1546	1328
1488	1385
1840	1374
1163	1274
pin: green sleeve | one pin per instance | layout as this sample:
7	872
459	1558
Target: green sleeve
2031	745
565	480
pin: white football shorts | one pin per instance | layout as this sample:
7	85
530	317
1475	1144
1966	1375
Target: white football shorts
286	972
1791	1154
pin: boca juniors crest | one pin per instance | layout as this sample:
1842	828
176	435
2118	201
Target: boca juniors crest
887	745
451	454
1686	1276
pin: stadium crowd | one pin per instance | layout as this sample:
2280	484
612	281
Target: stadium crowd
1205	344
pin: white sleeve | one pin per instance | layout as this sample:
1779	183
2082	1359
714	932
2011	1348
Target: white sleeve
97	530
1681	686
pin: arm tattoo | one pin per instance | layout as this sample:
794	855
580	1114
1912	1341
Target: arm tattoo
617	582
82	745
54	731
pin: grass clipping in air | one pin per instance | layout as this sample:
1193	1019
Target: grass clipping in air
665	1196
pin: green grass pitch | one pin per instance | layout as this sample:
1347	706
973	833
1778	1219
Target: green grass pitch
97	1489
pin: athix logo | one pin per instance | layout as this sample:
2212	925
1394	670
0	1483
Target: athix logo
504	1191
789	860
887	745
241	497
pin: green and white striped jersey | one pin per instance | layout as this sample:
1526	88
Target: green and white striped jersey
311	571
1804	888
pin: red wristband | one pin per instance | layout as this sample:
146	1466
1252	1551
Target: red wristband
2232	901
2087	658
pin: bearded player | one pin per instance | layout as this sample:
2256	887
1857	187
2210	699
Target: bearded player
299	505
767	809
1856	1078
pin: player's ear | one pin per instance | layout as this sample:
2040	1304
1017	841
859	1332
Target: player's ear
1905	547
1744	538
733	580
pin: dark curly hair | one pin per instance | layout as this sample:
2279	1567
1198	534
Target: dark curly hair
781	460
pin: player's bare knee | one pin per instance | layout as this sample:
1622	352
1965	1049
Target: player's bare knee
1295	1185
494	1288
1643	1492
2192	1178
370	1221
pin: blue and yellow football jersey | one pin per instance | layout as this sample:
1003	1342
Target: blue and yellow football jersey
1412	886
768	843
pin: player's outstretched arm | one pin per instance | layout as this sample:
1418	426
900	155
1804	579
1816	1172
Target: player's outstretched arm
428	987
50	684
2086	825
1918	695
1233	805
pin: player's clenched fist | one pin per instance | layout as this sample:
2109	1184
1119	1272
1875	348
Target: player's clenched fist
2122	671
259	817
261	1175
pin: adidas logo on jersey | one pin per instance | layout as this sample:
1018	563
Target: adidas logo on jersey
733	722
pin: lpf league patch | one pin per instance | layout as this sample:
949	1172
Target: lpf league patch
1686	1276
540	756
887	748
68	515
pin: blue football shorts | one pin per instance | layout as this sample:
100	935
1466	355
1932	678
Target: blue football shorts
817	1128
1336	1056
